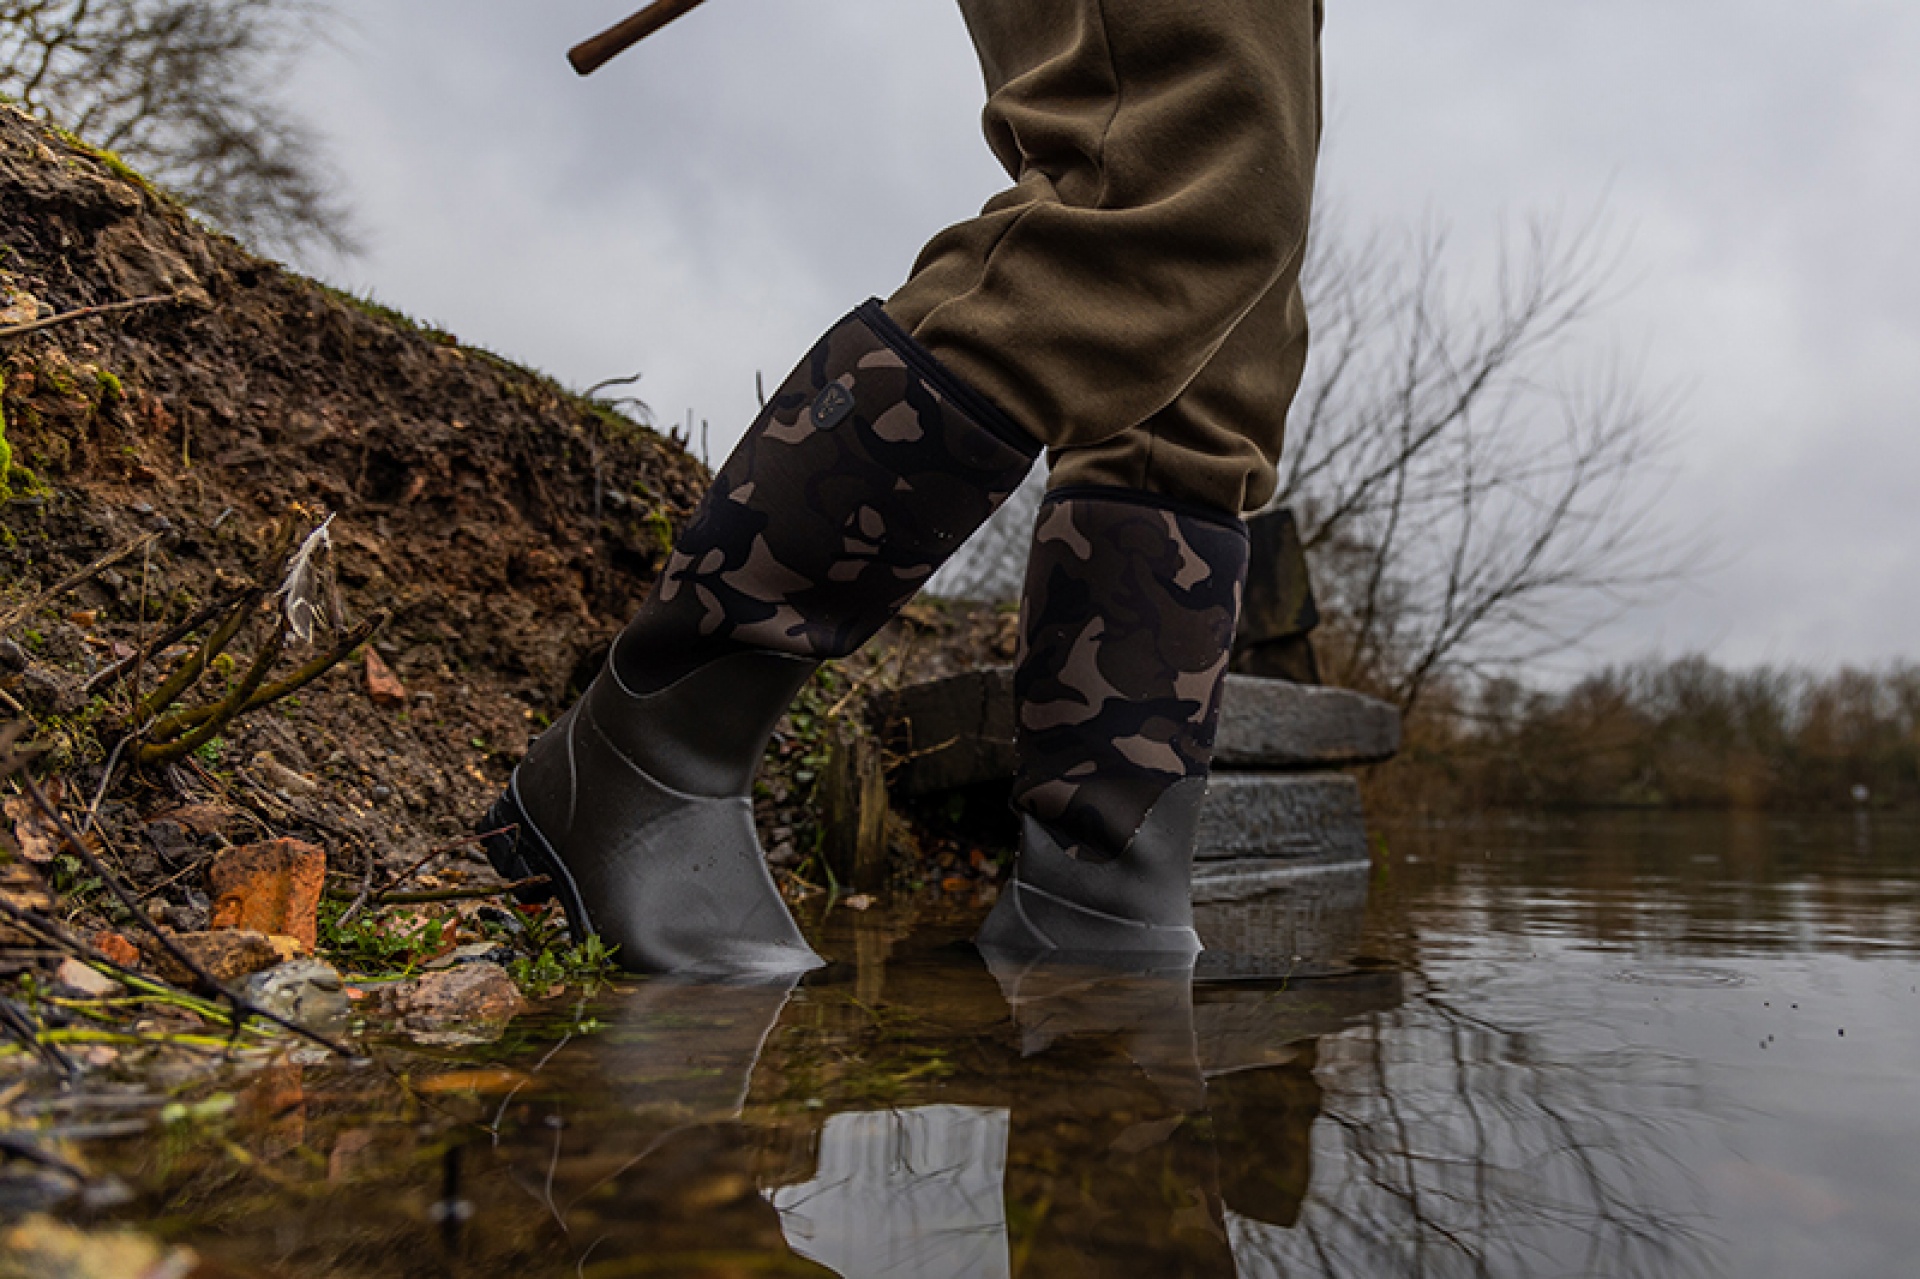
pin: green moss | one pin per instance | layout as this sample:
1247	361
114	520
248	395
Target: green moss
662	529
108	388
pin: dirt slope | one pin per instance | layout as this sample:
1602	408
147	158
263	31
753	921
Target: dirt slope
507	525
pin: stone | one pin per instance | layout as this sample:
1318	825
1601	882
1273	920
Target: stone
88	983
272	887
479	952
227	954
466	1004
307	991
115	947
1274	725
41	1248
383	686
958	731
1282	817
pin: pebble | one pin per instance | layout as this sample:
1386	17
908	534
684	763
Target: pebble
88	983
466	1004
307	991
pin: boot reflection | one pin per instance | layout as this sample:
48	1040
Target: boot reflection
1111	1166
672	1186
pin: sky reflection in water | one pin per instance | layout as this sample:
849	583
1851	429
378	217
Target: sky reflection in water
1626	1046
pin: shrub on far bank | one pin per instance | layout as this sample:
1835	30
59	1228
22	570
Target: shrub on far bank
1685	734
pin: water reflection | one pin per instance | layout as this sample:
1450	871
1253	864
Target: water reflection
1037	1119
1612	1048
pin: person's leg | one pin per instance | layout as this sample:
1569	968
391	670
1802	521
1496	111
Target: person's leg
866	469
1148	260
1163	154
1135	293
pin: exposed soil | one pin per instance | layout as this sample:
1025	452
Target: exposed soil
506	525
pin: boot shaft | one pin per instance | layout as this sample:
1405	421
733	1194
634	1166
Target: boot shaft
1126	625
869	466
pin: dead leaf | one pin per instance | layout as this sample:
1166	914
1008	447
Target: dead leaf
37	838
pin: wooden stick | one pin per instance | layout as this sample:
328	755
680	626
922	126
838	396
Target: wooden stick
590	55
68	317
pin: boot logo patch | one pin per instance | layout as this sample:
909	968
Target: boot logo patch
830	409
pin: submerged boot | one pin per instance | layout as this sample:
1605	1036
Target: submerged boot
1126	625
869	466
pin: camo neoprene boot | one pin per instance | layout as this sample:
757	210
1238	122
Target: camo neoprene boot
868	467
1126	625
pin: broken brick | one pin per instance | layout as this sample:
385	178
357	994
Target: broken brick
383	686
273	887
117	949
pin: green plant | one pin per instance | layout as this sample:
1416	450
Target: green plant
588	964
371	943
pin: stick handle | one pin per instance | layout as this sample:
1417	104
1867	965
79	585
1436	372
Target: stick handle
589	56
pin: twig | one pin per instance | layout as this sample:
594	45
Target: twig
441	851
179	722
106	780
34	1153
188	673
243	1008
160	644
71	580
68	317
449	894
20	1024
228	708
360	900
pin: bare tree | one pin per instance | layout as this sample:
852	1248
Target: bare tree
1473	490
184	90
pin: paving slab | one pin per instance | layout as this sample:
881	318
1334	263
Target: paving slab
1297	817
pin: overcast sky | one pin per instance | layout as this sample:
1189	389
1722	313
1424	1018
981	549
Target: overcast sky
702	208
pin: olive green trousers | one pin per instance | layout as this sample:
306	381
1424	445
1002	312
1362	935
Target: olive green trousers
1133	300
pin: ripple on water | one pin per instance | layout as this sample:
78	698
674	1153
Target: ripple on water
1681	977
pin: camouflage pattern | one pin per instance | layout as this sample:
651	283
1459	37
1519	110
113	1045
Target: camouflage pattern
1126	627
866	469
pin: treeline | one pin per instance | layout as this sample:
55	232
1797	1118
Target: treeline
1681	734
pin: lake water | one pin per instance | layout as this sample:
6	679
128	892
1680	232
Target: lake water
1617	1046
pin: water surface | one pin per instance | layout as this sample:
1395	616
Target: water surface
1618	1046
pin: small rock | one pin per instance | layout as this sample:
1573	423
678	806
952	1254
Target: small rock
282	778
480	952
117	948
471	1003
273	887
227	954
51	692
859	901
88	983
41	1246
13	658
18	308
308	991
383	686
